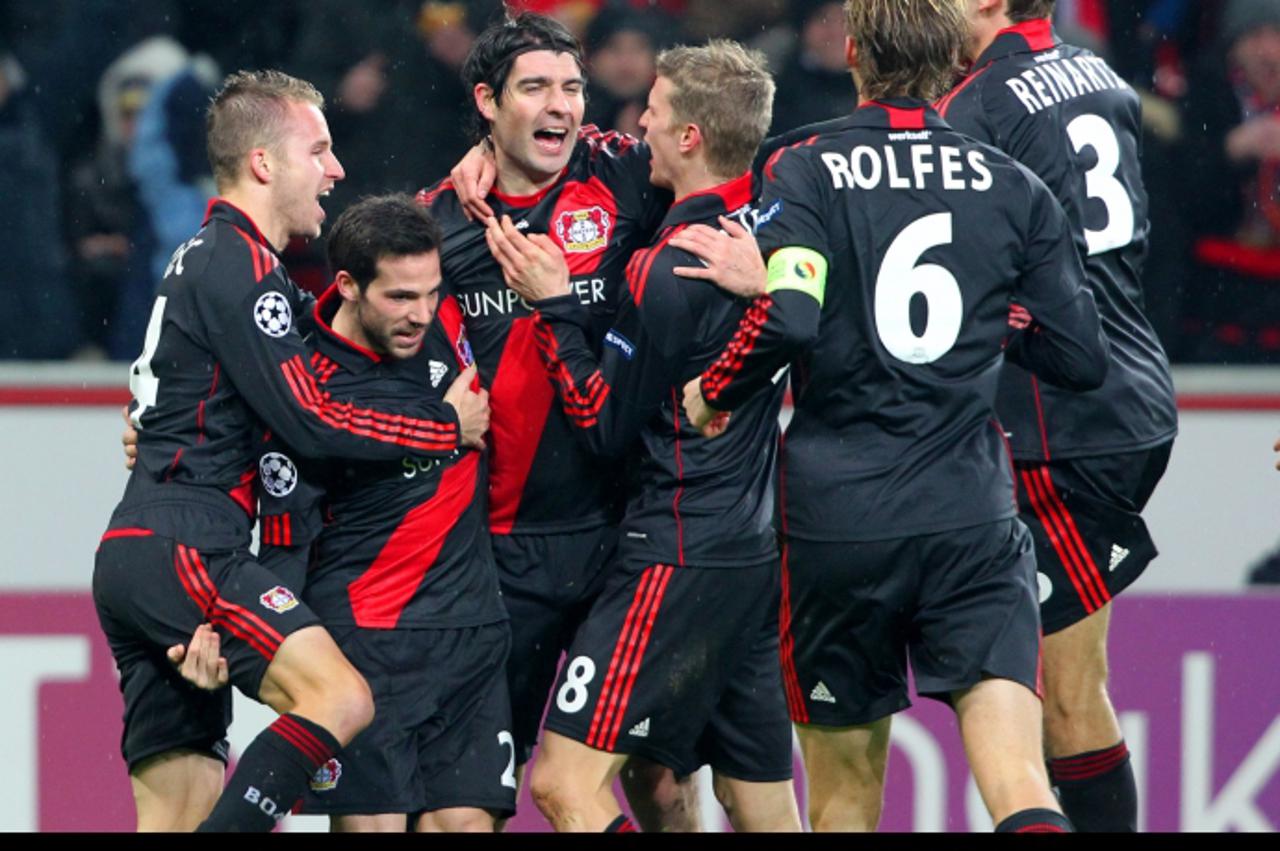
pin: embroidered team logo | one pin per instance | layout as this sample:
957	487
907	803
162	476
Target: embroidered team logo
438	372
463	347
584	230
327	776
272	313
279	475
279	600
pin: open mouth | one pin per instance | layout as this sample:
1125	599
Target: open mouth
551	140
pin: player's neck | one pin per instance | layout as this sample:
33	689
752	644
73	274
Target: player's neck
695	176
515	181
347	325
257	207
984	31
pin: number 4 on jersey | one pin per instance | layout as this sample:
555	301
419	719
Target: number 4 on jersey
143	383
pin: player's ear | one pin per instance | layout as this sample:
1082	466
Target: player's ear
347	286
483	94
260	165
690	138
850	54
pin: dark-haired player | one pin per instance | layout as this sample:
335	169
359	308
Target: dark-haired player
678	657
401	572
222	362
553	507
895	247
1087	462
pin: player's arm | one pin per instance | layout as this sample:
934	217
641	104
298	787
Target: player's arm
607	398
254	337
1057	332
290	512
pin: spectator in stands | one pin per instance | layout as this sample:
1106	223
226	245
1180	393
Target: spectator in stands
622	48
814	84
1233	173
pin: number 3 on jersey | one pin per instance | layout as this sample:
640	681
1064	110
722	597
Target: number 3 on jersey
1092	131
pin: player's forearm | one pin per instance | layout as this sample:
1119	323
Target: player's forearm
1066	348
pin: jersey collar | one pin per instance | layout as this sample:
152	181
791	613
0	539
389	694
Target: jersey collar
1026	37
704	206
224	210
348	354
896	114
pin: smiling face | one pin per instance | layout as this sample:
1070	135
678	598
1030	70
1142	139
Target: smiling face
306	170
391	315
535	126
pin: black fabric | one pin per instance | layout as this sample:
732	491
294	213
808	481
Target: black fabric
1105	803
1035	821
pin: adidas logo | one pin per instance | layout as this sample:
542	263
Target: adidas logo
1118	554
438	371
822	693
641	730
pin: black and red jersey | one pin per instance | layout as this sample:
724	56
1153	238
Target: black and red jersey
1063	113
223	361
696	501
600	211
930	238
404	542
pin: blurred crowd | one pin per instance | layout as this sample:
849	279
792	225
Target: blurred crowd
103	172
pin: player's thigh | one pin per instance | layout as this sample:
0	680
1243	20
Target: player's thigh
377	823
467	754
548	583
457	820
144	608
1091	541
844	624
1075	658
836	755
176	790
755	807
977	615
649	664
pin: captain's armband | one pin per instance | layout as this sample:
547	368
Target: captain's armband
796	268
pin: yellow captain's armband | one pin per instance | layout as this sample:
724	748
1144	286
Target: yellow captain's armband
795	268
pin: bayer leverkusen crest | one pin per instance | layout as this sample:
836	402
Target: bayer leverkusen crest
327	776
279	599
584	230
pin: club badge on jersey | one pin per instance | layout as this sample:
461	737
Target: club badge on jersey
581	231
279	600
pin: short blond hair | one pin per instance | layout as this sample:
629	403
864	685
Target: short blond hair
248	112
906	48
727	91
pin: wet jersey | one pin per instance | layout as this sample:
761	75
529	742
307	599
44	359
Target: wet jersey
703	502
924	239
404	542
600	211
1063	113
222	362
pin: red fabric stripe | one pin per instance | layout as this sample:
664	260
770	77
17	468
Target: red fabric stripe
777	155
1038	33
253	254
727	366
427	197
316	749
188	582
1050	523
943	104
1044	434
379	595
675	501
395	423
638	285
786	646
251	621
1091	573
298	744
664	577
173	465
1040	828
583	408
1084	766
520	400
206	598
904	119
608	699
264	530
133	532
288	531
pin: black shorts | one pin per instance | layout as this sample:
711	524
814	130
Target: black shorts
679	665
1085	517
151	592
961	604
548	585
441	732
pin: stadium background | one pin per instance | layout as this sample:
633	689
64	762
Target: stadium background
1193	651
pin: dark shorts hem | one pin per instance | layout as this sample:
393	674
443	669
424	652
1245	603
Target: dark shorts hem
882	708
499	809
203	747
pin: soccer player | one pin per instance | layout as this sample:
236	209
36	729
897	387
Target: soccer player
1086	462
895	248
678	657
223	361
401	573
553	506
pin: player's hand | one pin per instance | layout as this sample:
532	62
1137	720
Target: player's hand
730	256
532	265
706	419
129	439
199	662
472	179
472	408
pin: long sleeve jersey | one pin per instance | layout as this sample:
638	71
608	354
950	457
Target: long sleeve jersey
223	362
904	261
707	503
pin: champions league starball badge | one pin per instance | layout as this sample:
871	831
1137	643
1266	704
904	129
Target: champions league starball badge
272	314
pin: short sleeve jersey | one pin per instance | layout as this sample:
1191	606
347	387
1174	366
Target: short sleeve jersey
404	542
707	503
929	237
224	361
1063	113
601	210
